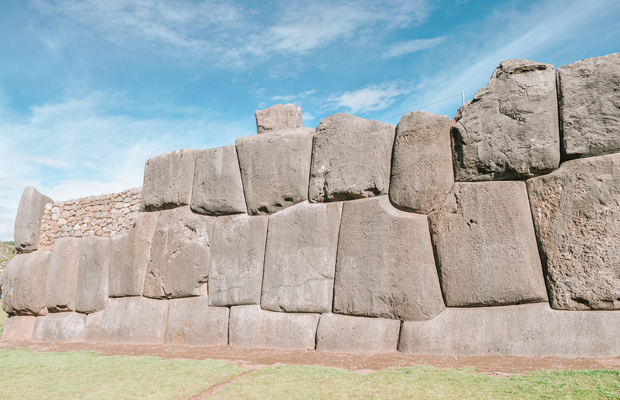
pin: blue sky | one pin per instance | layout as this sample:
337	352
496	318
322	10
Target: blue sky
90	89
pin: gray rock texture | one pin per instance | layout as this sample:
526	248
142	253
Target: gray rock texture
60	327
279	117
351	159
510	129
421	162
589	106
179	259
27	232
62	275
168	180
255	328
238	252
577	218
91	294
18	328
486	246
385	265
275	169
23	284
192	322
300	258
346	334
218	189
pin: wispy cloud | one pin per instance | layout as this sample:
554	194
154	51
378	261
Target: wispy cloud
369	98
293	97
412	46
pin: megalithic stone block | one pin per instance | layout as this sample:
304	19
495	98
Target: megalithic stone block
238	252
28	220
589	106
168	180
279	117
510	129
18	328
421	163
346	334
179	257
24	284
300	258
385	265
192	322
91	294
486	247
60	327
351	159
275	168
218	189
62	275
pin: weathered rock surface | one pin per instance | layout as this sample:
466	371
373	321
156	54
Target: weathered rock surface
60	327
589	106
18	328
255	328
346	334
279	117
577	218
179	259
192	322
218	189
168	180
62	275
510	129
385	265
486	247
275	169
238	252
23	284
351	158
27	232
91	294
421	162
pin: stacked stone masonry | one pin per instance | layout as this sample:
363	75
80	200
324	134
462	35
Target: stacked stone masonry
494	234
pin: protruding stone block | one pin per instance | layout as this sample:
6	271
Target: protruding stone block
275	169
589	106
255	328
421	163
300	258
168	180
218	189
577	217
351	159
27	230
192	322
24	284
179	259
486	247
385	265
60	327
238	252
510	129
279	117
346	334
91	294
18	328
62	275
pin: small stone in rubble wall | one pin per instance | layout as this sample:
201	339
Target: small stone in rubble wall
60	327
18	328
24	283
278	117
91	293
168	180
346	334
62	275
192	322
27	231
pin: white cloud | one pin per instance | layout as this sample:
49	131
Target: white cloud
367	99
412	46
293	97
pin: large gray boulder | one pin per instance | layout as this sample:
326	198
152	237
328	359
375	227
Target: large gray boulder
168	180
18	328
27	230
91	294
346	334
385	266
300	258
238	252
510	129
279	117
24	284
589	106
60	327
577	218
192	322
421	162
255	328
351	159
62	275
217	186
178	264
275	168
486	247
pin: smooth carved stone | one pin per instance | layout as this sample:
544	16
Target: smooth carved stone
279	117
351	159
486	247
300	258
510	129
527	330
91	293
62	275
168	180
179	259
192	322
60	327
589	106
23	284
385	265
18	328
275	169
238	252
255	328
577	218
217	183
421	163
346	334
30	211
131	320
